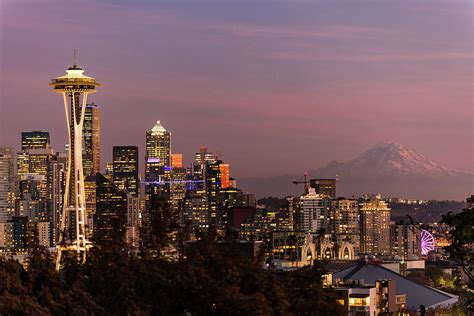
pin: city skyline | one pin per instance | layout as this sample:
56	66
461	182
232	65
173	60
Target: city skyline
253	79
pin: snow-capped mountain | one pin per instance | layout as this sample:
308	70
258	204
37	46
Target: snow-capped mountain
390	168
388	159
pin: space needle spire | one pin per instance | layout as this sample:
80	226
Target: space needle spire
74	86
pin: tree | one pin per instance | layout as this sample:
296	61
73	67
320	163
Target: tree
306	294
161	227
461	237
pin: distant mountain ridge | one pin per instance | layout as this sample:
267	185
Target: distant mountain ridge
389	168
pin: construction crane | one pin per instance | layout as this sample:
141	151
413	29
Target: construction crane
305	182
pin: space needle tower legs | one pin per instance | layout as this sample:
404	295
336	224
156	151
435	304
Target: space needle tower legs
74	87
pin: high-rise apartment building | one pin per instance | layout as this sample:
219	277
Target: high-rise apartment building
345	222
7	183
375	227
312	212
91	132
405	241
125	169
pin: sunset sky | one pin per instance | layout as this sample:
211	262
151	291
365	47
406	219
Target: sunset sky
277	86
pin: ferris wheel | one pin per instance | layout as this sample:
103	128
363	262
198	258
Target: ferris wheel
427	242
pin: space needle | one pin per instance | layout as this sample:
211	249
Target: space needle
74	87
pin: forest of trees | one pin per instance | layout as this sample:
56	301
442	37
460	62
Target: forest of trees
209	277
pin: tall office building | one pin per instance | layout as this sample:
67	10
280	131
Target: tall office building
201	160
324	186
177	186
30	140
345	222
7	183
57	183
91	132
39	164
158	145
176	160
213	189
90	188
312	212
125	169
35	186
158	160
34	139
375	227
225	175
110	218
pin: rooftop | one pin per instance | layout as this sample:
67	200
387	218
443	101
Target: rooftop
417	294
158	129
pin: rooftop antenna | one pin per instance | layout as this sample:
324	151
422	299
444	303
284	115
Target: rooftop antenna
75	57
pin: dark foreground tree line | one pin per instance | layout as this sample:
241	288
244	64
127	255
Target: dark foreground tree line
209	278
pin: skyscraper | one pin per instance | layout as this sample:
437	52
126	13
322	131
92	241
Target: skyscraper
125	169
158	145
7	183
74	87
177	186
90	185
38	164
158	160
201	160
375	227
177	160
91	132
57	184
213	188
225	175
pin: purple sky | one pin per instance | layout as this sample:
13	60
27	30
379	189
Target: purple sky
278	87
